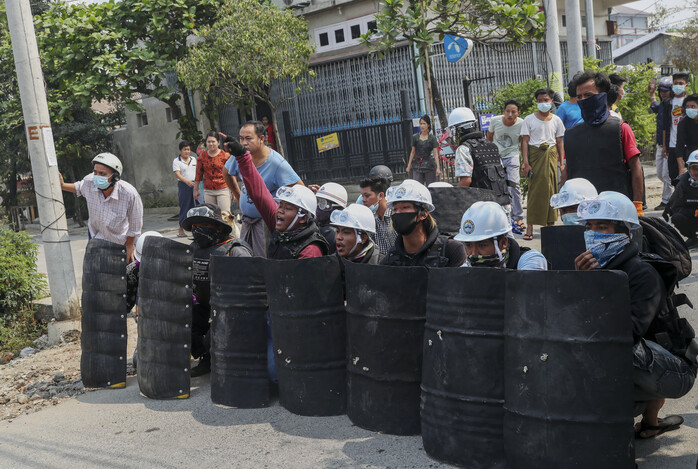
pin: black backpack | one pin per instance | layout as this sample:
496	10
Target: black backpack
662	239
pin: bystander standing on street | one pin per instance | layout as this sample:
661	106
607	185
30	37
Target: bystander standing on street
672	118
425	167
569	111
659	107
209	168
184	168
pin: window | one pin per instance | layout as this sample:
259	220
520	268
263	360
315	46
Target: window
373	26
142	119
168	115
338	36
344	34
355	31
324	40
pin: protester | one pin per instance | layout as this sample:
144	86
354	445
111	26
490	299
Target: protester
660	107
602	149
572	193
419	242
275	172
269	133
353	242
478	163
683	205
569	111
687	131
330	197
184	168
115	207
484	230
373	190
657	372
671	124
543	151
209	169
211	238
612	97
619	82
424	145
295	235
505	132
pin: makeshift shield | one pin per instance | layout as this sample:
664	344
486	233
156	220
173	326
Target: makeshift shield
452	202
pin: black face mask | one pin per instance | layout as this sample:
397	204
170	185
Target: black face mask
404	223
594	110
206	236
323	216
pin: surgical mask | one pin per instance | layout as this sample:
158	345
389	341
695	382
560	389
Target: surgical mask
605	246
571	219
404	223
374	207
594	110
678	89
691	113
544	107
101	182
206	236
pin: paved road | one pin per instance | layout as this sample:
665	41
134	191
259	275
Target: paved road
121	428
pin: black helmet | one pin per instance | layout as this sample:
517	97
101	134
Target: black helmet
206	213
380	172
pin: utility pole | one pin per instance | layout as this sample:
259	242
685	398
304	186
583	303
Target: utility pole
552	43
575	54
49	198
591	35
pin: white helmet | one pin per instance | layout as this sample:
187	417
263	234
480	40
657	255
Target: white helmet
462	117
483	220
573	192
298	195
409	191
692	158
439	184
358	217
333	192
109	160
610	205
141	240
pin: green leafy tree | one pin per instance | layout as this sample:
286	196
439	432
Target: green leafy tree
423	21
522	92
251	46
121	50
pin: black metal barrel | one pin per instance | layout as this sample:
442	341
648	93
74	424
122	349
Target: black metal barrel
568	370
104	335
561	244
164	319
308	329
239	376
463	379
385	328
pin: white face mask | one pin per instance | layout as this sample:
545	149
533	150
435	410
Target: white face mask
544	107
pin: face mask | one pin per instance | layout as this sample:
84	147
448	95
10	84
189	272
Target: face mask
692	182
404	223
205	236
678	89
692	113
605	246
374	207
544	107
593	109
101	182
491	260
323	215
571	219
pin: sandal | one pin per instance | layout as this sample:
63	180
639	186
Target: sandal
528	237
671	422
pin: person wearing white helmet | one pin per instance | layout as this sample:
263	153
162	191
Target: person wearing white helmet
659	107
484	230
330	197
419	242
114	205
683	205
478	163
355	225
295	235
571	194
657	372
439	184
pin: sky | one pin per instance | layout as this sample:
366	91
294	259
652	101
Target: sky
674	20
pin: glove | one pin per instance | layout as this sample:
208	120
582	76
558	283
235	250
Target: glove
234	147
638	207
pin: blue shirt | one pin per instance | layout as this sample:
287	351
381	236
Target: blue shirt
570	114
275	171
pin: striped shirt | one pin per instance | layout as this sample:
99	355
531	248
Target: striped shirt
115	218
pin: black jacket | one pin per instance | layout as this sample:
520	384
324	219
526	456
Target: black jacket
647	293
437	251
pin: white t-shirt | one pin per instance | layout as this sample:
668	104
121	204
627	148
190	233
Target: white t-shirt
506	137
676	116
187	170
541	132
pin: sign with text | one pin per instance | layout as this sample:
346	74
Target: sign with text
328	142
457	48
485	122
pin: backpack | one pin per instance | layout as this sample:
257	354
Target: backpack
662	239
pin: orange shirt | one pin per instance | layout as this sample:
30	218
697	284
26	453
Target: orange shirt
211	170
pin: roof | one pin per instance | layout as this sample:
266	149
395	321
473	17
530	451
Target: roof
637	43
627	11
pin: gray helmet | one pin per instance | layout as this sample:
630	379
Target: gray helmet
665	83
206	213
380	172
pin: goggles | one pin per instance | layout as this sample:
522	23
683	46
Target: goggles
201	211
598	209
